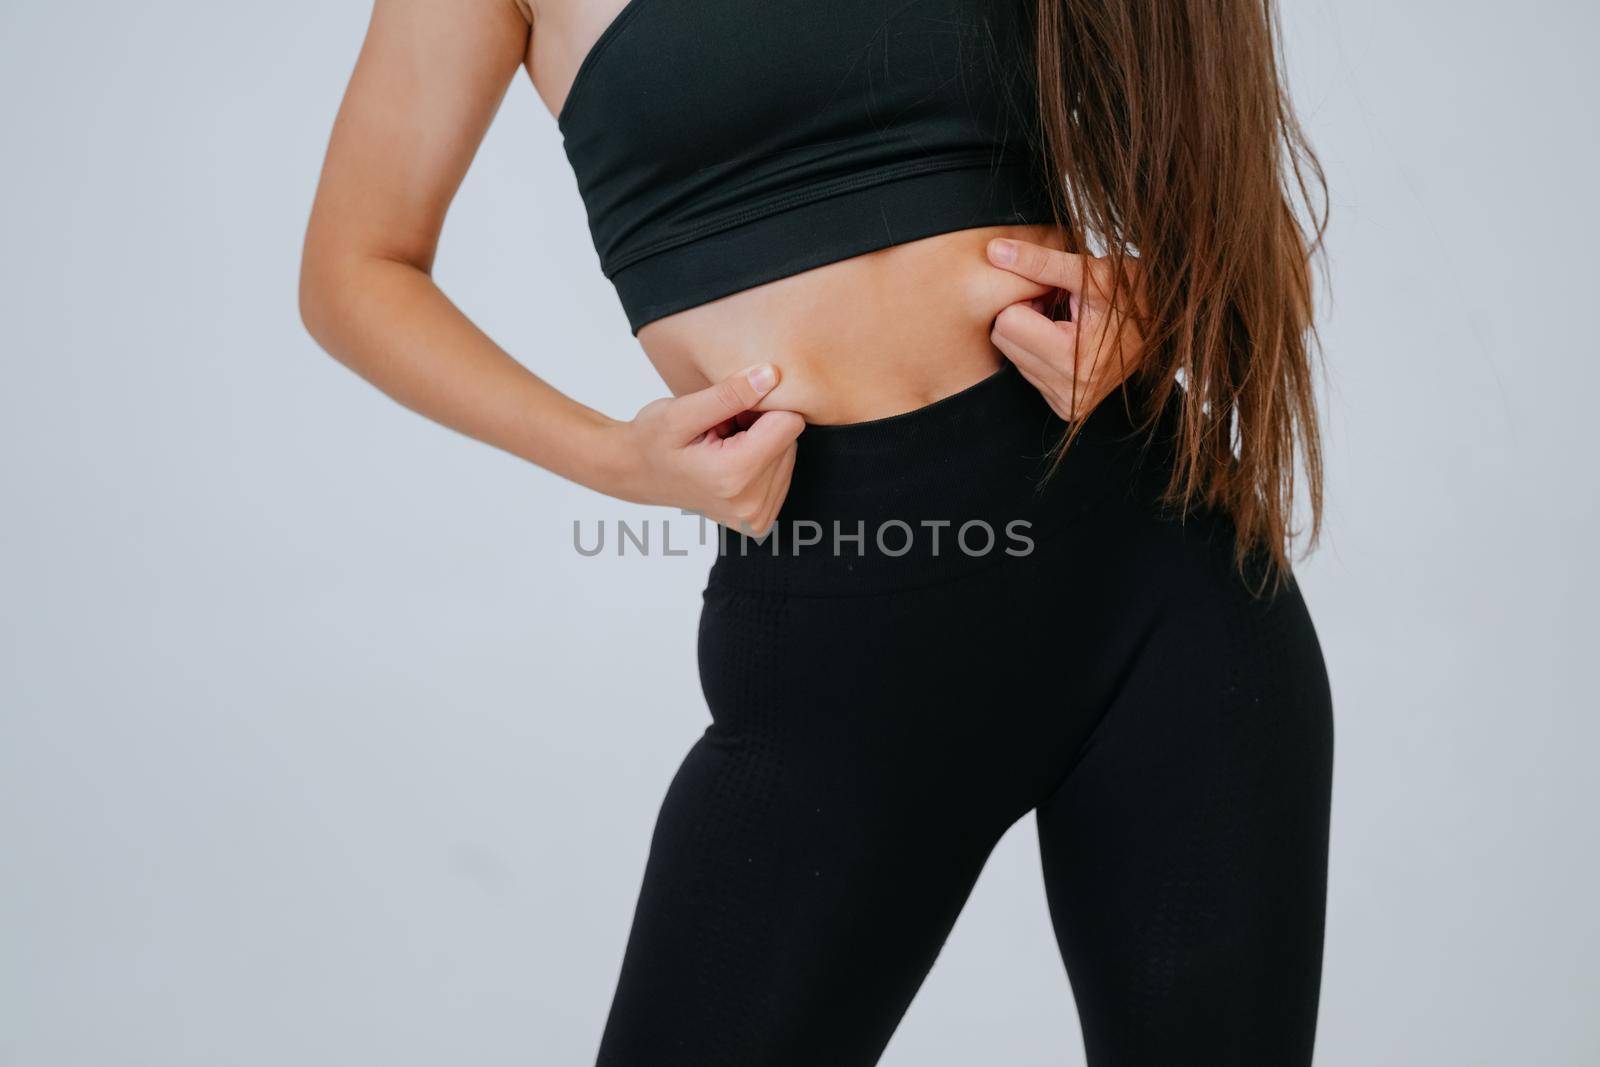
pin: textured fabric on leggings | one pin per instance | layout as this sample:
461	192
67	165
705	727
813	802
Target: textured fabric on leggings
882	713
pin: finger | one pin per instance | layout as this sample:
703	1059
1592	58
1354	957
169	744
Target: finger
1067	397
1047	266
766	483
1051	342
1102	353
777	489
756	448
1029	363
1045	354
700	411
1063	392
1032	377
751	503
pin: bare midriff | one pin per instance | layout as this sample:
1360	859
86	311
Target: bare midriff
860	339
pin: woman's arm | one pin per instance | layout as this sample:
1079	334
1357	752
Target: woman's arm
429	80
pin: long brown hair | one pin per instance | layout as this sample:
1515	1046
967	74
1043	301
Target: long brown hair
1170	137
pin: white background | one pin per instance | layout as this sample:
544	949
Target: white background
320	744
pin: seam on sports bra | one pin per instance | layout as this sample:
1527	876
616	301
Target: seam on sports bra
612	31
790	201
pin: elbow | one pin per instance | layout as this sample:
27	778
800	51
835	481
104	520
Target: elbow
337	280
318	295
330	275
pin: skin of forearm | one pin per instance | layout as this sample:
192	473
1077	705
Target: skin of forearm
391	323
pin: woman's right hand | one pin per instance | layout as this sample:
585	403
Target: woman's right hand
710	452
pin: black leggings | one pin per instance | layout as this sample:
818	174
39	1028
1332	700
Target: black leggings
889	694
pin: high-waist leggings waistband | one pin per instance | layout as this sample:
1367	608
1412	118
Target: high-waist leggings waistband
963	483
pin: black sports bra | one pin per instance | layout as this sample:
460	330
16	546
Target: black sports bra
722	144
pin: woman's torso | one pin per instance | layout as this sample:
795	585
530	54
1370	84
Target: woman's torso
864	337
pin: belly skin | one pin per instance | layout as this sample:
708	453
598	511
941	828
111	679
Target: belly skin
864	338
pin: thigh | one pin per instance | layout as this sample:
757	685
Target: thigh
1185	853
776	924
818	843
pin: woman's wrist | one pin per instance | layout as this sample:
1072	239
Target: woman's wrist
556	433
609	459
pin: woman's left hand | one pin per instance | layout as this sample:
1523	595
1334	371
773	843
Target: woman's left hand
1075	364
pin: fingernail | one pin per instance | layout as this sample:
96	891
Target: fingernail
1002	253
763	378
